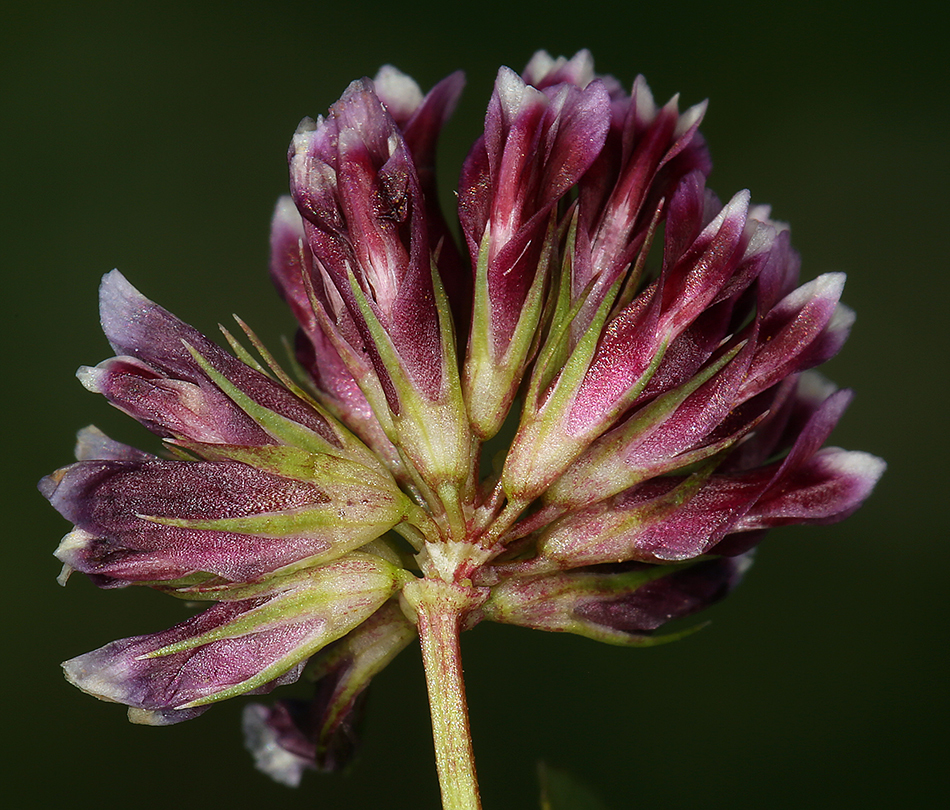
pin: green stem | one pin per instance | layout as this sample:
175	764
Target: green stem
439	617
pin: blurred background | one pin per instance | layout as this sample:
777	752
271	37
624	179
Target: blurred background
151	137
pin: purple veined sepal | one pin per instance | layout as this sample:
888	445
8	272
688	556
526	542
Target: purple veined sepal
93	445
681	427
236	512
180	385
803	330
421	118
718	407
618	354
257	634
722	265
620	604
291	265
322	733
536	145
492	373
679	517
375	290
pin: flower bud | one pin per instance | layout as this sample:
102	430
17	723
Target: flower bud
674	518
373	289
616	604
258	636
321	734
536	145
141	521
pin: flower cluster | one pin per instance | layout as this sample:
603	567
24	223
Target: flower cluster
648	345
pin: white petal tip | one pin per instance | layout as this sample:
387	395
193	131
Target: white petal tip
90	376
278	763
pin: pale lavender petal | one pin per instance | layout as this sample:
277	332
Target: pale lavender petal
399	92
169	407
543	70
92	444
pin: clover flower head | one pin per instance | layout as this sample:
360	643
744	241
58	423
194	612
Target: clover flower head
650	346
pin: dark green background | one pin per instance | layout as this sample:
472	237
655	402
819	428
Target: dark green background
151	137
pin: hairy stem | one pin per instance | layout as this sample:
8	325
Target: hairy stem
438	607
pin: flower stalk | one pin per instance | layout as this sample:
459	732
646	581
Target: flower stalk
438	609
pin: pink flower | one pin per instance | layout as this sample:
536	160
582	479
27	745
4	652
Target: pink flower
664	414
